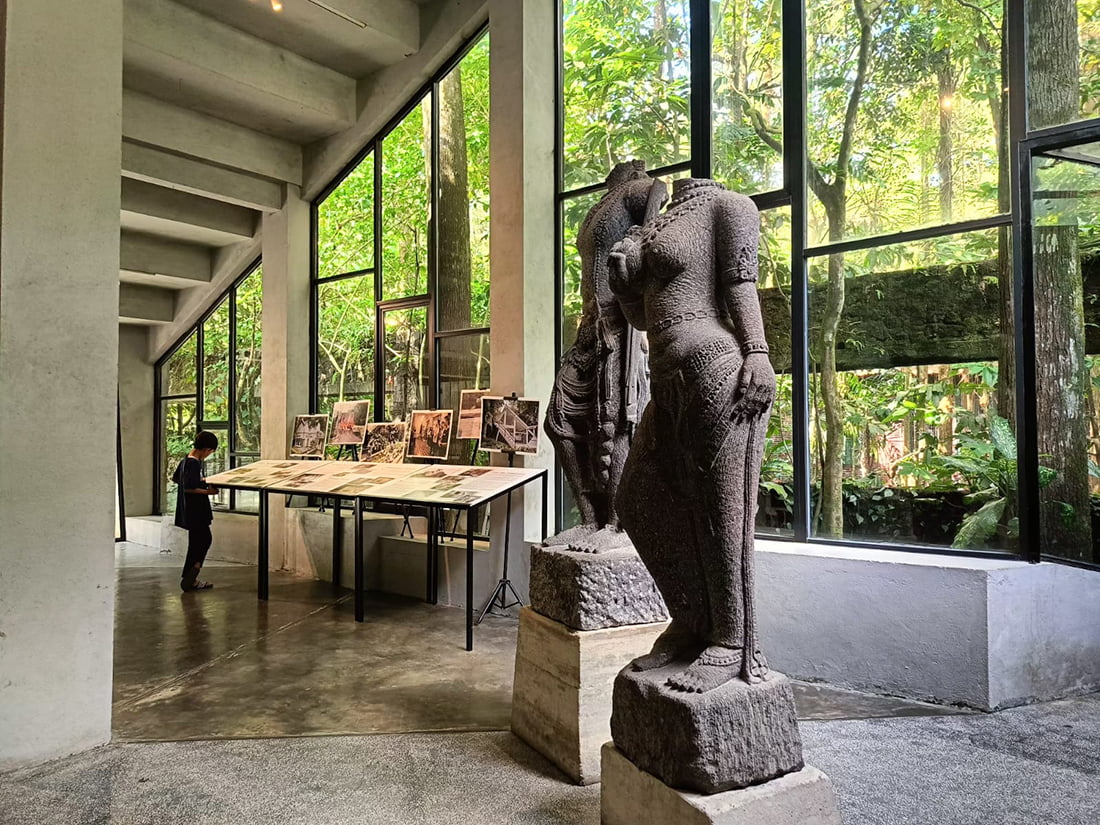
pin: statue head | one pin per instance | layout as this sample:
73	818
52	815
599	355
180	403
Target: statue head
625	171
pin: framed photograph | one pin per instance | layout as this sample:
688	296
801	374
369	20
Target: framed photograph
349	422
429	434
469	413
384	443
308	437
509	425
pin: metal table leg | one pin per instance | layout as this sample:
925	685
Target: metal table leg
359	594
337	543
469	583
261	573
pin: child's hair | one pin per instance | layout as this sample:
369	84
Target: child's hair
206	441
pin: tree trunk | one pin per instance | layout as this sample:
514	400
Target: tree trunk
1061	371
945	151
456	365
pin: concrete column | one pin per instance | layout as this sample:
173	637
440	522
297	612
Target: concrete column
285	366
135	397
59	253
521	181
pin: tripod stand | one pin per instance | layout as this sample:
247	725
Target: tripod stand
499	599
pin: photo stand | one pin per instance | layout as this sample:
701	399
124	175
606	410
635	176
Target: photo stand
499	600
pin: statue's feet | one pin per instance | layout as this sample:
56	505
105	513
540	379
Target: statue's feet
714	667
567	538
602	540
671	645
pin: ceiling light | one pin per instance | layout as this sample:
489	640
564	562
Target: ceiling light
276	5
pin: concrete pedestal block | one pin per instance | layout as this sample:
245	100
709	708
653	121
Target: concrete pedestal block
734	736
561	699
630	796
590	591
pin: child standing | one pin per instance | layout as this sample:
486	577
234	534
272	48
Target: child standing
193	511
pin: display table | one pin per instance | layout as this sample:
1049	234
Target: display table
433	486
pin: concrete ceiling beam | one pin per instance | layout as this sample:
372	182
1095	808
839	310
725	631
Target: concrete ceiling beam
182	216
139	304
149	260
354	37
179	55
197	177
182	131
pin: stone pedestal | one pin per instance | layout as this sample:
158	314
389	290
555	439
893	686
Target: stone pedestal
590	591
731	737
630	796
561	700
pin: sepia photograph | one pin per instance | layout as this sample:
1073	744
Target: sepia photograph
384	443
349	421
469	413
308	440
429	434
509	425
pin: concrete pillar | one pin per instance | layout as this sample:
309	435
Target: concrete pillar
284	384
59	253
135	397
521	182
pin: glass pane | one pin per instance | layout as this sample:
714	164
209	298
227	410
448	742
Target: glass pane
246	416
1067	351
463	365
574	211
1064	61
748	95
625	85
180	427
215	364
345	341
406	361
902	115
911	439
776	496
345	224
406	204
463	287
178	372
245	501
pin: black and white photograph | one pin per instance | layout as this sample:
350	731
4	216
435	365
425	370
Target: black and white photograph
469	413
384	443
429	434
349	421
308	440
509	425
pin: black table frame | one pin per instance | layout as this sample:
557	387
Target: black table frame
431	585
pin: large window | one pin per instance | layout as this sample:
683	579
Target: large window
919	405
401	293
211	381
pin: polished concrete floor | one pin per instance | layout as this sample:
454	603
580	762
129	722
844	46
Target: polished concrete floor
1028	766
220	664
257	679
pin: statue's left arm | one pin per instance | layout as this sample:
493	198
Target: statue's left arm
737	238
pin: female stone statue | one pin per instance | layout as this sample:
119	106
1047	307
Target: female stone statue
602	387
688	493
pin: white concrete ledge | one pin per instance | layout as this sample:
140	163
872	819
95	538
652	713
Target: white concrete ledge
970	631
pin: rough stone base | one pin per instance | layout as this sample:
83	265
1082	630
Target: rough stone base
561	700
630	796
590	591
731	737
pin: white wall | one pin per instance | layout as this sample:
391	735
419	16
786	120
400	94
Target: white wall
59	254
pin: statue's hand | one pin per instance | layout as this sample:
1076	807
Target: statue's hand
756	390
624	257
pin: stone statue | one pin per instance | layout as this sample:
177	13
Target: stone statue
688	498
602	386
